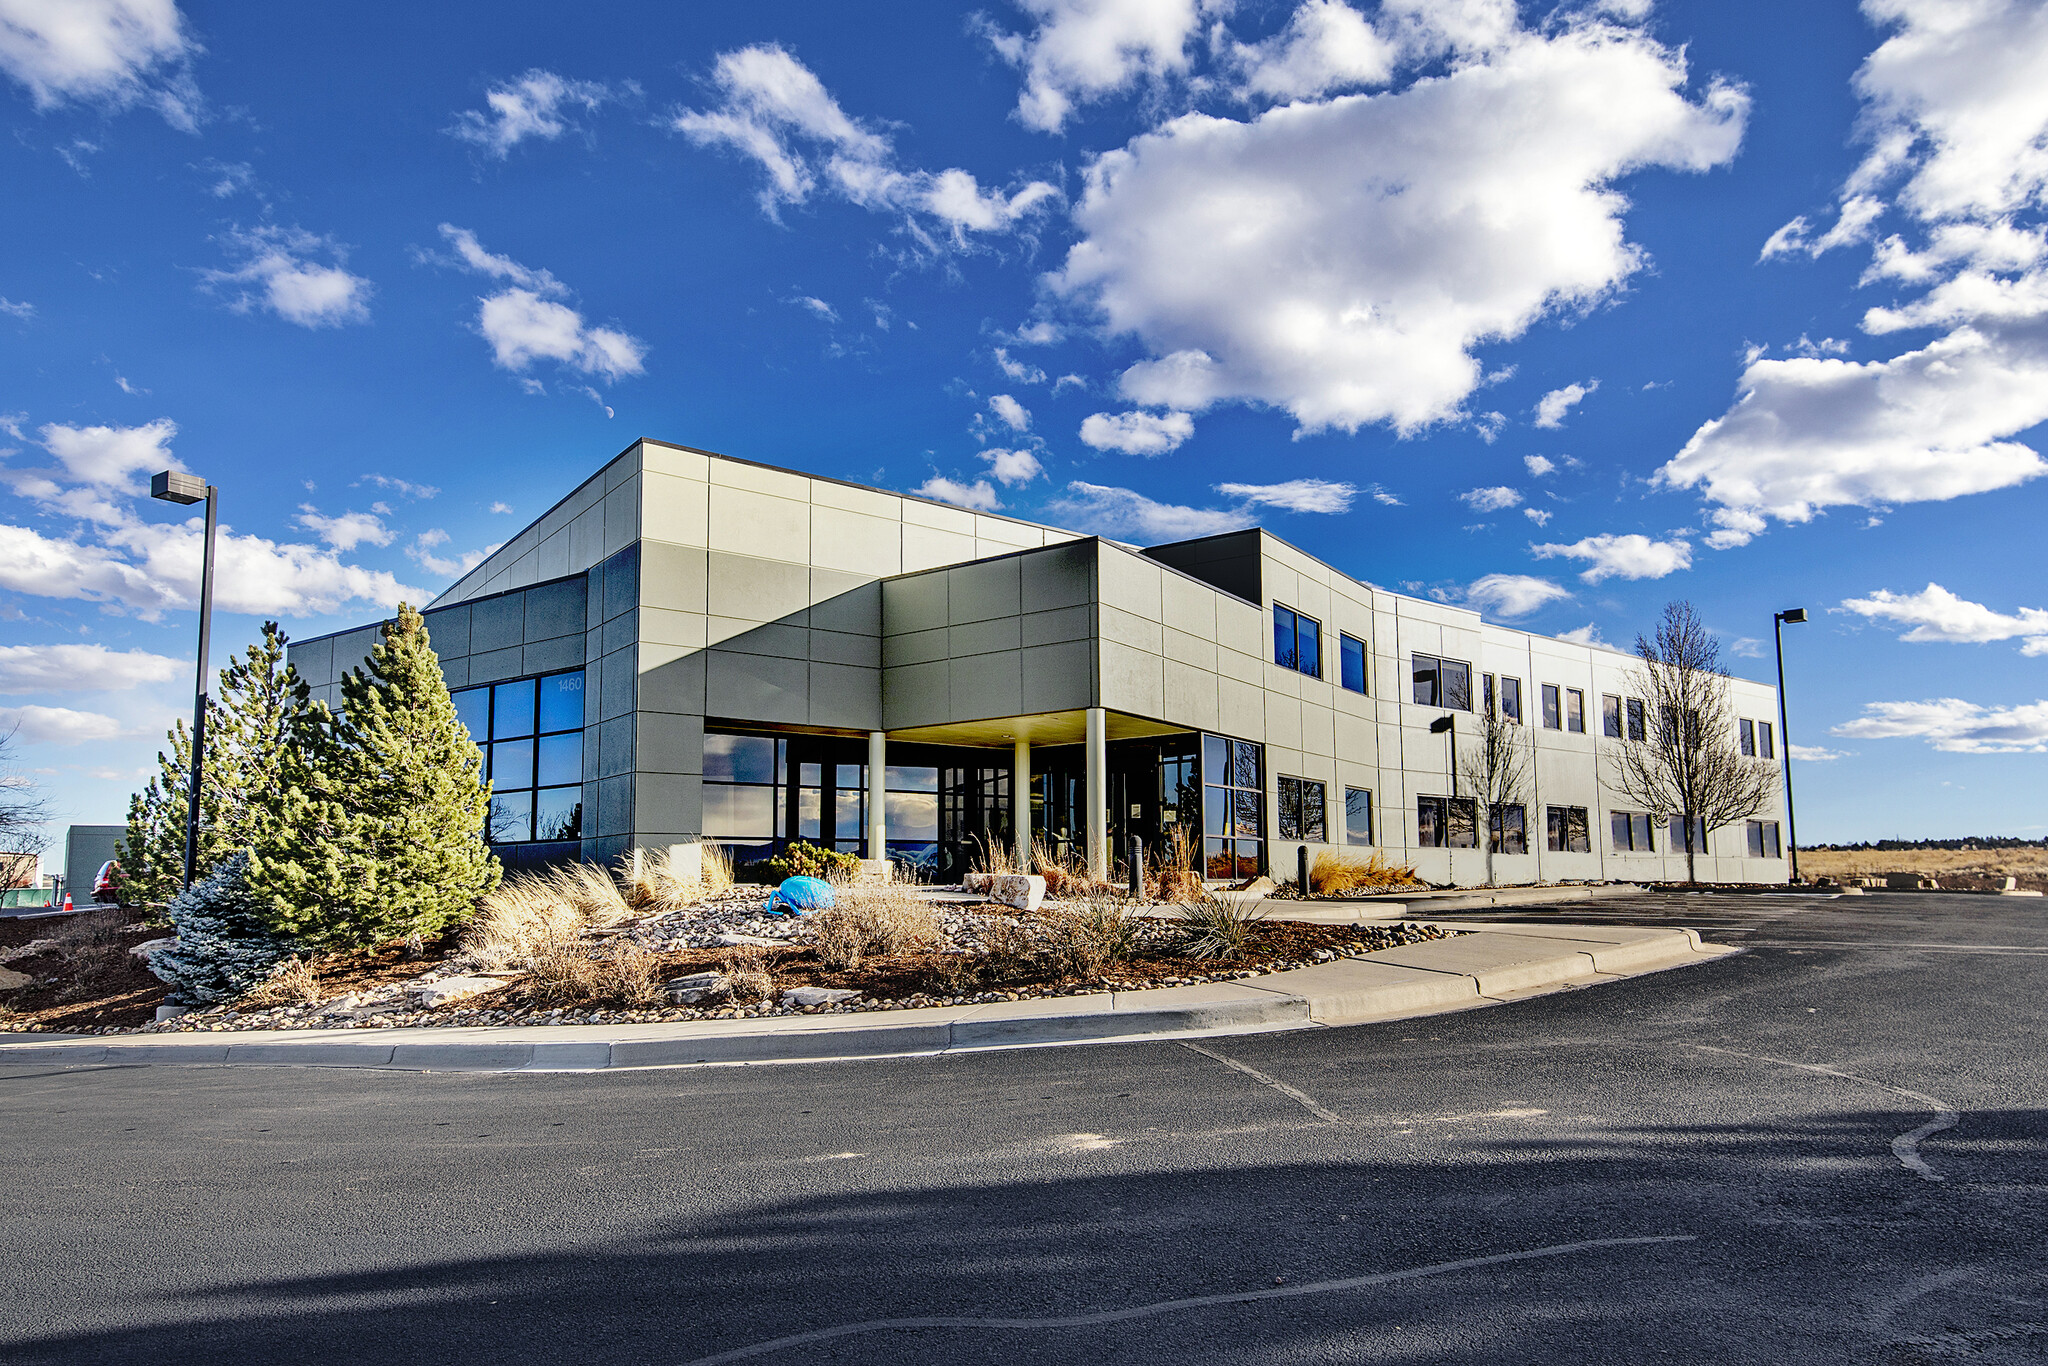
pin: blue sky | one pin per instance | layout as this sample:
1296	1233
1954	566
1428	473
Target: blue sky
1560	312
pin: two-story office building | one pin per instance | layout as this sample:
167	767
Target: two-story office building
692	648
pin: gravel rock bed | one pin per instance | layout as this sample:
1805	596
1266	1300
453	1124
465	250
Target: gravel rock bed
739	918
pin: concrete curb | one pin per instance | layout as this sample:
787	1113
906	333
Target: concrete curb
1487	966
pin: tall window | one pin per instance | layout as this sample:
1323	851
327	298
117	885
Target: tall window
1764	748
1636	728
1763	840
1553	707
1674	835
1569	831
1575	710
1233	807
1357	815
1505	830
1511	699
1610	716
1631	832
531	733
1301	811
1443	683
1351	662
1745	734
1297	641
1447	822
744	801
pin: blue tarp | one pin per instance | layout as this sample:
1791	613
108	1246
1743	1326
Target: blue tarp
801	896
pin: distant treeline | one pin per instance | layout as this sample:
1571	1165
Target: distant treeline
1974	842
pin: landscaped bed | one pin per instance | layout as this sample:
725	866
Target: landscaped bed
722	956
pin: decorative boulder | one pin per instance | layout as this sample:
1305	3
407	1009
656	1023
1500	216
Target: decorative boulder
449	990
801	896
1018	890
698	986
977	882
816	996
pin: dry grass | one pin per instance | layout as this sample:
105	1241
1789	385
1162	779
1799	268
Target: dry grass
292	984
993	857
747	978
661	880
1935	863
874	919
522	917
618	974
714	872
1342	875
1096	931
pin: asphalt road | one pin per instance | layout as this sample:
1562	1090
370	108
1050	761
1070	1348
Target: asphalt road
1716	1163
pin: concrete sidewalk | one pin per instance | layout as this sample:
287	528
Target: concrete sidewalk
1494	963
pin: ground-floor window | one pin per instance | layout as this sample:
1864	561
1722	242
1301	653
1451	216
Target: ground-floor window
1301	811
1506	831
1233	808
1763	840
530	732
1357	815
1570	832
1674	835
1631	832
1447	822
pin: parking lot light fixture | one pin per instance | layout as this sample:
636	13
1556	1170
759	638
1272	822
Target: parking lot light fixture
176	486
1795	616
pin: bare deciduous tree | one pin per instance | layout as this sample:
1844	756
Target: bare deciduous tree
1687	764
22	809
1496	766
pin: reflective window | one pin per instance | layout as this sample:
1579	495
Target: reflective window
1636	727
743	792
512	710
1745	733
1442	682
1297	641
1357	815
1674	835
1302	816
1447	822
1233	808
561	702
530	732
1569	830
1505	830
1610	716
1553	707
1351	662
1511	698
1575	710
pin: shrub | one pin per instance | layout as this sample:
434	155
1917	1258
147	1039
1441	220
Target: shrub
293	983
747	979
1216	928
619	974
224	947
808	860
1101	930
523	915
1338	874
874	920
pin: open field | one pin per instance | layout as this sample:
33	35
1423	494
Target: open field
2030	866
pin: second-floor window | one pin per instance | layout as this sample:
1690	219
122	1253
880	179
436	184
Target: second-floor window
1351	662
1443	683
1297	641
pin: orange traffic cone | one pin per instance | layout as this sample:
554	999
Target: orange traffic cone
67	901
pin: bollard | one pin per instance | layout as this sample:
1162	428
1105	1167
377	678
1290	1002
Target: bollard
1301	870
1137	863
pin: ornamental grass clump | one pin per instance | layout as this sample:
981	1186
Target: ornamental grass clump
1099	930
294	983
1219	928
1338	875
873	920
525	914
571	972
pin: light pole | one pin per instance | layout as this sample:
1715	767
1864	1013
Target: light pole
1447	726
175	486
1797	617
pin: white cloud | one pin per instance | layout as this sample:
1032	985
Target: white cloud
1010	412
347	531
1342	259
278	271
1137	433
505	508
1122	512
1810	433
1746	647
82	668
528	322
979	495
1818	754
777	112
1510	596
1023	372
1540	516
1949	723
1326	46
230	178
1551	408
1956	114
539	104
1621	557
1538	465
109	53
1295	495
111	457
57	725
1012	468
818	308
1082	50
1492	499
401	487
1936	614
421	552
15	310
1589	634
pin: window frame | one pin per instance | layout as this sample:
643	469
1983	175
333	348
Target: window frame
1610	716
1575	710
529	795
1295	661
1745	737
1347	646
1444	827
1558	831
1553	707
1497	833
1366	793
1292	819
1440	693
1516	714
1638	719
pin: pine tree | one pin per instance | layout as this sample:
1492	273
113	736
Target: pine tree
259	719
390	808
224	946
